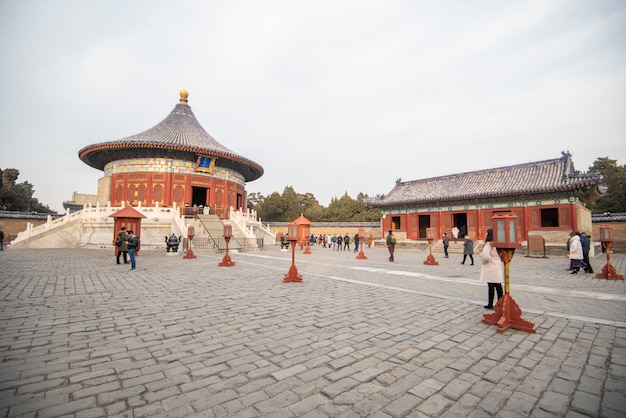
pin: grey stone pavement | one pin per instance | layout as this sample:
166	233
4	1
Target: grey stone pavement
83	337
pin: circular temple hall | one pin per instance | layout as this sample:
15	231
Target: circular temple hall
174	163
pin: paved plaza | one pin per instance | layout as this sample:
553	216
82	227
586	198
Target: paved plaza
81	336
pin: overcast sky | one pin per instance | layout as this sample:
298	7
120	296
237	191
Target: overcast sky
330	97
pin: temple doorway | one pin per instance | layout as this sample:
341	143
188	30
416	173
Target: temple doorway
424	222
460	221
199	196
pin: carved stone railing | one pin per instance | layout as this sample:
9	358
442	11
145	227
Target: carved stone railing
102	213
247	221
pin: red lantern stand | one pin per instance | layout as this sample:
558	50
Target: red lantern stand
361	255
430	236
190	253
608	271
507	312
228	233
293	231
304	228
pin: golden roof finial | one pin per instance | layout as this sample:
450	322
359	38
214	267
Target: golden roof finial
183	96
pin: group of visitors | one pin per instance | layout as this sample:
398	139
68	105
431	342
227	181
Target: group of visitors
337	242
127	246
578	246
491	272
468	245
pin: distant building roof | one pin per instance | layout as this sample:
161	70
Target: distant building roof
530	178
28	215
609	217
179	136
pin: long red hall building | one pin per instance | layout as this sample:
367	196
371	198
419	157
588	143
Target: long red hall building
548	198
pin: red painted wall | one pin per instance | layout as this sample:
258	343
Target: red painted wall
169	188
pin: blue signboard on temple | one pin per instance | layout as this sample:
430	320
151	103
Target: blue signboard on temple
205	164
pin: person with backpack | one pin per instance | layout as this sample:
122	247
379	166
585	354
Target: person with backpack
339	243
122	245
346	242
391	244
585	241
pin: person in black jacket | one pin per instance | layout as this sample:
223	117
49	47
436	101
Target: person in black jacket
468	249
585	241
133	245
446	243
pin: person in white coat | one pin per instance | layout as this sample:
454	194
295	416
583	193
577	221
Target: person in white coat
575	253
491	271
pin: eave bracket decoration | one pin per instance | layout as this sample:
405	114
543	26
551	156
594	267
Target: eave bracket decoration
205	164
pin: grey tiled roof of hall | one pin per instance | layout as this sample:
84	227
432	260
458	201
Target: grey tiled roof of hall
534	177
180	136
609	217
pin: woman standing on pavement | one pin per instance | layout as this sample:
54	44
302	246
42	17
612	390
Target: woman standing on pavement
122	249
575	253
491	269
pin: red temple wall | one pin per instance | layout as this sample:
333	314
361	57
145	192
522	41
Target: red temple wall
167	189
478	221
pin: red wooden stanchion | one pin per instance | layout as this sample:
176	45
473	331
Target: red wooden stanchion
507	312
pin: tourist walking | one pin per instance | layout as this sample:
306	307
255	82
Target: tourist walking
339	243
575	253
356	242
346	242
133	246
455	233
468	249
391	245
122	248
585	242
446	243
491	270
